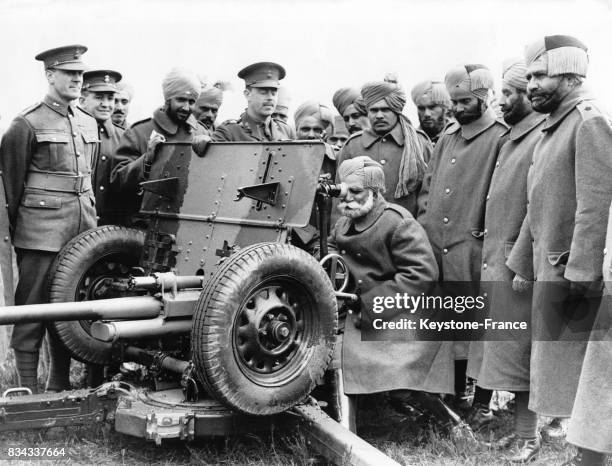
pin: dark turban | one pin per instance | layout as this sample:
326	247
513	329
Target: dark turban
412	166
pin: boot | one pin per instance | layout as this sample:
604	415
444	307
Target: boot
27	369
479	416
527	450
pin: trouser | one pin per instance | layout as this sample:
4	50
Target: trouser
27	339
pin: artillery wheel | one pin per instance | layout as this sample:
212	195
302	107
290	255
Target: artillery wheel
81	272
264	329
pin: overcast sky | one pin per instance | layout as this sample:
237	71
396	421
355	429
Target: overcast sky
322	44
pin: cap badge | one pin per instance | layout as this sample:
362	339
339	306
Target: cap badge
106	78
269	74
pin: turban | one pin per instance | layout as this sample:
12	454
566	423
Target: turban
513	74
313	109
475	80
283	99
181	83
560	54
345	97
211	95
339	126
370	172
412	166
123	86
435	90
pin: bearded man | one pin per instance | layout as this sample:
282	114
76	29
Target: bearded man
207	106
387	252
504	365
433	103
453	198
564	231
393	142
136	152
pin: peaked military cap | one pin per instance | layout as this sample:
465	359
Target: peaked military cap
64	58
101	80
262	74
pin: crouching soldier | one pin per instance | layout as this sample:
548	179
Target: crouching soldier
387	252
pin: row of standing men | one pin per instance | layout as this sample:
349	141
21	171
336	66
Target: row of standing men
517	201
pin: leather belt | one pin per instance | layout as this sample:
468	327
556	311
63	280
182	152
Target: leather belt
49	181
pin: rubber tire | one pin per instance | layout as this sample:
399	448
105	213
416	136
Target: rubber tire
71	265
217	365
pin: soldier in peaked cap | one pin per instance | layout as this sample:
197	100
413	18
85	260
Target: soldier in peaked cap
48	151
262	81
98	98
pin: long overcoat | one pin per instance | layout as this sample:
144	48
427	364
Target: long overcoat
107	201
453	199
590	426
504	365
389	254
561	241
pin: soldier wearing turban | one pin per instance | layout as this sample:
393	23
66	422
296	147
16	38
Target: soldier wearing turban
136	152
453	214
387	252
563	234
393	142
312	120
339	134
208	104
433	103
349	104
504	365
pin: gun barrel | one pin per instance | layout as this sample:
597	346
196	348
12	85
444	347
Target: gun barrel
110	331
136	307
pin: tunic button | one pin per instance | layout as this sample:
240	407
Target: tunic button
447	190
74	135
78	153
101	188
484	266
453	160
497	164
486	231
384	140
103	157
6	238
445	219
42	202
359	282
488	197
382	162
485	294
445	251
343	252
358	254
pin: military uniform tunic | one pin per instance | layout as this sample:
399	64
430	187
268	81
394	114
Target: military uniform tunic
389	254
107	202
247	129
386	150
48	151
504	365
561	241
129	158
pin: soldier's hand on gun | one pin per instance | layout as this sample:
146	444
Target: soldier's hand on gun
154	140
521	284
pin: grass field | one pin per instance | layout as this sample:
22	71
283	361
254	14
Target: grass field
399	436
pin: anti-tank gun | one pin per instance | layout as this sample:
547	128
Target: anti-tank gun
227	316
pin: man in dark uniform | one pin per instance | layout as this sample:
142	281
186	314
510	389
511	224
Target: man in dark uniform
48	151
98	99
256	123
136	152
